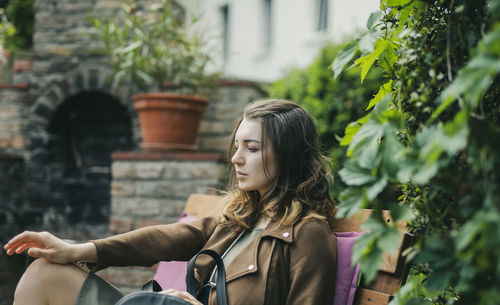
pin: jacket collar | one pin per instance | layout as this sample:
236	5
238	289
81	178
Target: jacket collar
279	231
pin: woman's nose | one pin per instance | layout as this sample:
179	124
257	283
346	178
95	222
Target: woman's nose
237	159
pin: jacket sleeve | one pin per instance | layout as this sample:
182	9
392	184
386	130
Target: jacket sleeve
313	261
149	245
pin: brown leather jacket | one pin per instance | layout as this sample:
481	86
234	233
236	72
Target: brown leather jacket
283	265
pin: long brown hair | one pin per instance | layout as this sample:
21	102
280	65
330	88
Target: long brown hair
301	188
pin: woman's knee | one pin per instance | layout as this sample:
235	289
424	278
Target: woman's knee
42	278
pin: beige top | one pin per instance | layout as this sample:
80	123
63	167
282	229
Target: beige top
235	248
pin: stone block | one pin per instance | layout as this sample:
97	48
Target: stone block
15	126
122	169
161	189
214	143
209	127
205	187
205	170
4	142
76	7
18	142
173	170
120	225
108	5
149	169
43	111
172	208
122	188
135	206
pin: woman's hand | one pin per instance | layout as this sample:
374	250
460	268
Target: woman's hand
181	294
51	248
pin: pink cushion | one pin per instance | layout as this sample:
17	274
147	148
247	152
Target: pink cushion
173	274
347	275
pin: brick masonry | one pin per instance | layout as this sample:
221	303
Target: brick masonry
52	193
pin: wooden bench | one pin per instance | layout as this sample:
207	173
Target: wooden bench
391	275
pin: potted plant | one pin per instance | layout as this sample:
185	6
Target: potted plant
149	46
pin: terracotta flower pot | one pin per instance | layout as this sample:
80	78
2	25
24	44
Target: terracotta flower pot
169	121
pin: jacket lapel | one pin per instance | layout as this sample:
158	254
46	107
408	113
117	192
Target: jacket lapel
258	253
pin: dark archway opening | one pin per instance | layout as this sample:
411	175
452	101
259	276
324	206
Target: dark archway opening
84	131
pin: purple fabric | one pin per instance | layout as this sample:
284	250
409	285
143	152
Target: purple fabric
173	274
347	275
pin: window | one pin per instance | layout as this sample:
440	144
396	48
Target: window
321	15
267	34
224	11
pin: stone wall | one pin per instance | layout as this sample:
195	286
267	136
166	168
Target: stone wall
11	196
152	188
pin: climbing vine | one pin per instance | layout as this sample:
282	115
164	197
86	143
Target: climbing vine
431	132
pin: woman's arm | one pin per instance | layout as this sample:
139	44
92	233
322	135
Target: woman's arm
149	245
53	249
313	264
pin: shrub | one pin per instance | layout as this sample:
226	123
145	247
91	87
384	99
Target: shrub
333	103
434	131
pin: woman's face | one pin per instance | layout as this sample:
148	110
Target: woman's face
248	158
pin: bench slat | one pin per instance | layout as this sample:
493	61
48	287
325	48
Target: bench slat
390	260
200	205
371	297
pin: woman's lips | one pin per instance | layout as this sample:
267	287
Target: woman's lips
240	175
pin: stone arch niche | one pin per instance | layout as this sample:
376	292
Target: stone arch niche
74	126
83	133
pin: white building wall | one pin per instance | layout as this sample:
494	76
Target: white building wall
295	40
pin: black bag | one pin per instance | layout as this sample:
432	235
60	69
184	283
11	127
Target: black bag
149	295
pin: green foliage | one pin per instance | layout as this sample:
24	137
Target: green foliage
22	15
433	133
156	44
332	102
7	30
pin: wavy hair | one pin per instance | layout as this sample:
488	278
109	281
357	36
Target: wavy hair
302	184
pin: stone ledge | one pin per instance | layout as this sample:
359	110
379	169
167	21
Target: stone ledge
7	156
179	156
19	86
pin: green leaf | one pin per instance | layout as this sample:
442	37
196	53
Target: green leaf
363	244
365	144
389	240
404	13
353	174
388	58
350	131
392	153
351	200
344	57
367	42
373	19
377	187
367	61
382	92
400	213
370	256
131	47
392	3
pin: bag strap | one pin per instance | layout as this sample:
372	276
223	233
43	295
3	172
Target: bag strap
220	288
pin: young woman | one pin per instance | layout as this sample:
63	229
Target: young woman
273	234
